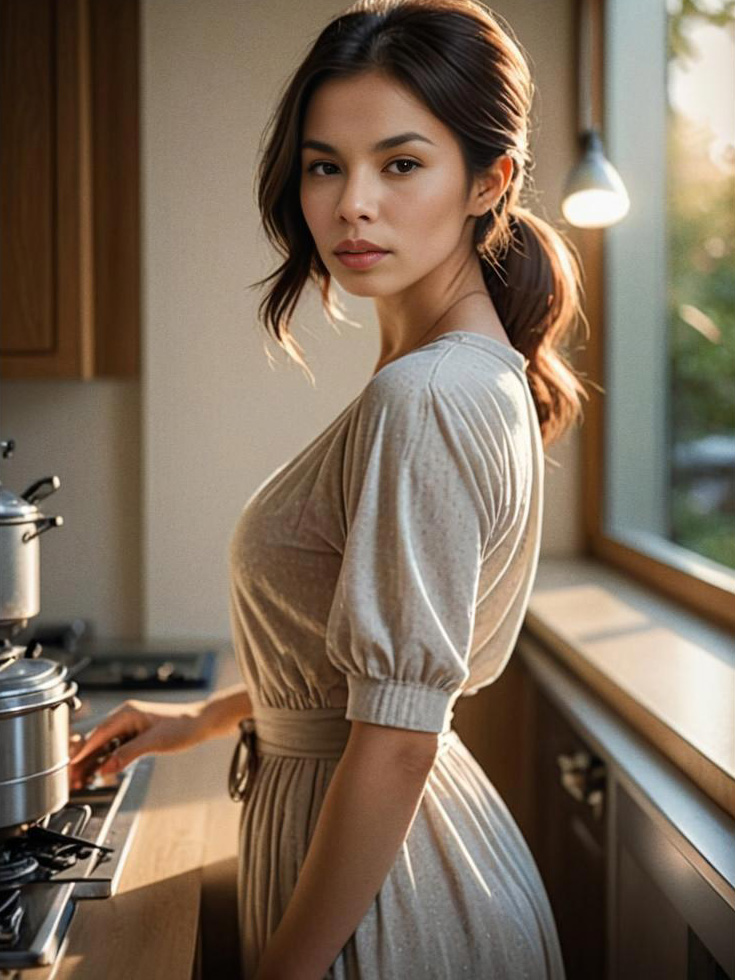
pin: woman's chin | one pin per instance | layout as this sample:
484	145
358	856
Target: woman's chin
361	285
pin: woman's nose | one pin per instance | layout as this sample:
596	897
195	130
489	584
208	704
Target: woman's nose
357	200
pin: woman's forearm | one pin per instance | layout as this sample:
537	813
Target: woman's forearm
366	815
220	714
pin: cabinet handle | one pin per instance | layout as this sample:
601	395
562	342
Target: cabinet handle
583	777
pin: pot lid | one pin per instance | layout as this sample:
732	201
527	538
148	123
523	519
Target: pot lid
31	682
12	506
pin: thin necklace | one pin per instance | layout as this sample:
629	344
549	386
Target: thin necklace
475	292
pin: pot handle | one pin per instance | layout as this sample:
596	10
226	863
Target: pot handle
72	699
44	524
75	703
41	489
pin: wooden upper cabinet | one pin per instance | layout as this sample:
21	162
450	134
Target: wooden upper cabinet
69	189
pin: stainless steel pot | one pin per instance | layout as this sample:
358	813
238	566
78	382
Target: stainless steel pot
21	525
36	702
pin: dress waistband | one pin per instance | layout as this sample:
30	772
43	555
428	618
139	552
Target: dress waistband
310	733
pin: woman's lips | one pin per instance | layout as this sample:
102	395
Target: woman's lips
360	260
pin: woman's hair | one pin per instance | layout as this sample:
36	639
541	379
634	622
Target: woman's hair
456	59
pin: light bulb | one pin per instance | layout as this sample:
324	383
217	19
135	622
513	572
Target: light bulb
594	194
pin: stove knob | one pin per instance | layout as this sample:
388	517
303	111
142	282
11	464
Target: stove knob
165	671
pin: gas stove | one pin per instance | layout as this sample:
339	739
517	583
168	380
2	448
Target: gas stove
76	853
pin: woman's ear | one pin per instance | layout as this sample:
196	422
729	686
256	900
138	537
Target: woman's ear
488	188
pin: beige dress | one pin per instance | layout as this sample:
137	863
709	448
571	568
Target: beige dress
378	576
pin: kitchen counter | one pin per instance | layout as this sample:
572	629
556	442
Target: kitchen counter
666	672
180	872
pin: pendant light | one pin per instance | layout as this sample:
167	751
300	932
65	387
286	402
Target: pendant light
594	194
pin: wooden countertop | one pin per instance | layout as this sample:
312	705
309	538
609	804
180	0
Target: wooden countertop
181	870
670	675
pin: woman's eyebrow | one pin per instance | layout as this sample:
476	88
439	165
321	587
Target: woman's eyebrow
386	144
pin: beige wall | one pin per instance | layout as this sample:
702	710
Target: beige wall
155	474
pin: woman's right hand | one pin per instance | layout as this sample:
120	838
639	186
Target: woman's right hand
138	728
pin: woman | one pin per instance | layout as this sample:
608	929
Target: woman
386	569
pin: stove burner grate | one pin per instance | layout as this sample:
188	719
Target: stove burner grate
36	855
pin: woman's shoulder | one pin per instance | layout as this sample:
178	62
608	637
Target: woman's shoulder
456	379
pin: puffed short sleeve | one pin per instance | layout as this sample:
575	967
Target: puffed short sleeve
419	506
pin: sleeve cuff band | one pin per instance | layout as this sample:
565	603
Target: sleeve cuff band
400	704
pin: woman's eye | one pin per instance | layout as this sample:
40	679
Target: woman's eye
412	164
323	163
319	163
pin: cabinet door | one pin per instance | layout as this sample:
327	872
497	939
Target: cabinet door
570	823
45	189
69	189
670	923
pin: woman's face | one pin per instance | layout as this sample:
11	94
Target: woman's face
408	198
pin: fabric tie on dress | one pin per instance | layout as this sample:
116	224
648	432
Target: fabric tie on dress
310	733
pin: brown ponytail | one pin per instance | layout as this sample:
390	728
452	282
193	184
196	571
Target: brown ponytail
535	286
470	72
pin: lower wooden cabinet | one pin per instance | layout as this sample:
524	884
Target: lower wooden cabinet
670	924
570	831
628	902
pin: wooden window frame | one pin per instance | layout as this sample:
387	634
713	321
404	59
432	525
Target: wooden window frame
711	601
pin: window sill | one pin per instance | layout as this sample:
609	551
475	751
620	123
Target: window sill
667	672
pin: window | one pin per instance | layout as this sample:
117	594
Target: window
667	278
